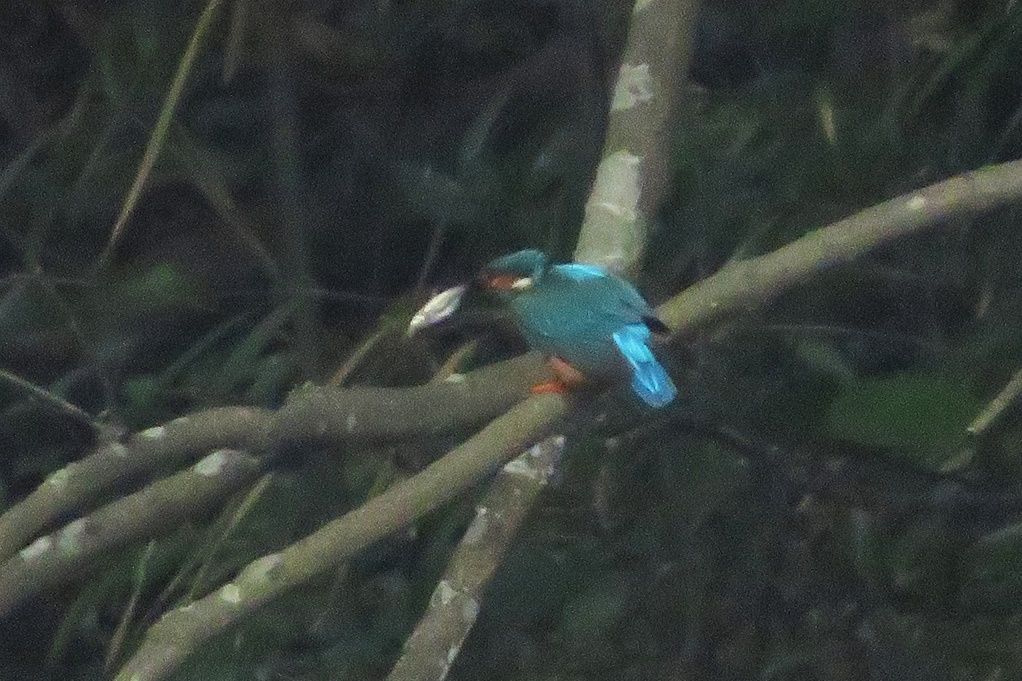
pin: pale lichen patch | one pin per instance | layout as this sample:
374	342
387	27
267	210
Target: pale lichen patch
212	464
350	423
154	433
634	86
118	449
262	567
917	203
444	593
521	466
470	609
617	186
36	548
59	478
70	537
231	593
477	528
455	378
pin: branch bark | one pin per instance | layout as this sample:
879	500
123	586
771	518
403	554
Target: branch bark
56	558
310	414
633	173
434	644
747	285
181	631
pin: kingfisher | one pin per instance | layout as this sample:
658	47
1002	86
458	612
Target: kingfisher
590	324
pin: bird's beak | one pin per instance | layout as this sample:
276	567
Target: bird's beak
440	307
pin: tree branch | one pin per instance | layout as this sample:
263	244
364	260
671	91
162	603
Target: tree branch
746	285
80	483
181	631
55	559
315	413
633	173
434	645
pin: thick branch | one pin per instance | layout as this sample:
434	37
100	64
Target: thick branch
460	402
80	483
633	173
319	413
55	559
750	284
180	632
433	646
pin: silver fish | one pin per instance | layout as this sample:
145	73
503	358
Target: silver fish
440	307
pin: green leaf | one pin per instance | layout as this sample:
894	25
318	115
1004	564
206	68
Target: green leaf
921	415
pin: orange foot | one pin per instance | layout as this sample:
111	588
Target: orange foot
549	387
567	377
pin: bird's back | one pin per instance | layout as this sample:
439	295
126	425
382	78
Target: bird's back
574	314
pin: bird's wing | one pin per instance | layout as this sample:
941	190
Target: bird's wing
649	378
577	271
606	287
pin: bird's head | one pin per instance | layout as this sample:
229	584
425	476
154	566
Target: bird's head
504	277
512	274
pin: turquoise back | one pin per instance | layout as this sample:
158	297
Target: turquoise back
573	312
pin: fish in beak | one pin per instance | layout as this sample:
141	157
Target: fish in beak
440	307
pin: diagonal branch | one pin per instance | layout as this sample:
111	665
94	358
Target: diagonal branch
55	559
746	285
431	649
180	632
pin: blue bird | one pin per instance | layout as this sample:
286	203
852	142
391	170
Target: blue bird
592	325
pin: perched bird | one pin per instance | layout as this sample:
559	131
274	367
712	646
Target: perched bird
592	325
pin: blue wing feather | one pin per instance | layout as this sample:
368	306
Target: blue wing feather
649	378
580	272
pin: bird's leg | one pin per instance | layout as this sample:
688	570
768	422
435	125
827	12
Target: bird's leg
566	377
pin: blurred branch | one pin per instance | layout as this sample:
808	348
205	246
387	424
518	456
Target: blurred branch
161	128
747	285
310	414
292	216
56	559
113	464
634	174
992	412
54	401
431	649
181	631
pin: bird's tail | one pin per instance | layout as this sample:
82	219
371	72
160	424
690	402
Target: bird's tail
649	378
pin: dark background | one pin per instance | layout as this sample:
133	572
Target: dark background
811	508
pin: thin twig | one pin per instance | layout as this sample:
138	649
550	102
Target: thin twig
54	401
161	128
992	412
113	651
244	508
